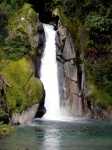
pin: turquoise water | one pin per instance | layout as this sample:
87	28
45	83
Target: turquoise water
61	135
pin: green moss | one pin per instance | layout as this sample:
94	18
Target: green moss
65	21
100	73
18	47
23	17
100	96
5	130
17	61
22	25
22	30
33	91
2	113
76	29
32	16
25	89
2	52
26	6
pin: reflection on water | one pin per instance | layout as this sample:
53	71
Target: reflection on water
51	139
56	135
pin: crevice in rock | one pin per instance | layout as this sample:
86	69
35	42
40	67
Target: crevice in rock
4	110
41	110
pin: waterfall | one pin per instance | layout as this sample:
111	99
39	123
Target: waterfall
48	74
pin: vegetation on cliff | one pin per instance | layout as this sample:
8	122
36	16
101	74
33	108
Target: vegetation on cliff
89	23
5	130
19	88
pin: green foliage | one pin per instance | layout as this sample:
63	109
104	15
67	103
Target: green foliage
3	22
93	37
5	130
110	48
100	75
95	22
57	2
10	6
15	4
72	27
18	26
17	48
7	8
101	97
84	7
71	8
97	15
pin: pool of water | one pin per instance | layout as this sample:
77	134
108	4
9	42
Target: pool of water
78	134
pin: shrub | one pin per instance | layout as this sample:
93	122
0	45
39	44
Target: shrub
5	130
15	4
104	99
96	22
57	2
100	75
3	22
17	48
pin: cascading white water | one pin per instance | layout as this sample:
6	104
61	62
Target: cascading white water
49	74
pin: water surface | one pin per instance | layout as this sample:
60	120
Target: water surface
61	135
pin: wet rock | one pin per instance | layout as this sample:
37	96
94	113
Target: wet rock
70	91
24	117
41	111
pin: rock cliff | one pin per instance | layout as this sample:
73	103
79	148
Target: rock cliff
69	72
77	96
20	88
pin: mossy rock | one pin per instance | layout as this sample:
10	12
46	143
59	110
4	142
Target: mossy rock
23	17
100	97
76	29
25	23
25	89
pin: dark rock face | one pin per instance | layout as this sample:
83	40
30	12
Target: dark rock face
39	5
41	110
44	8
4	111
40	50
70	74
5	119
